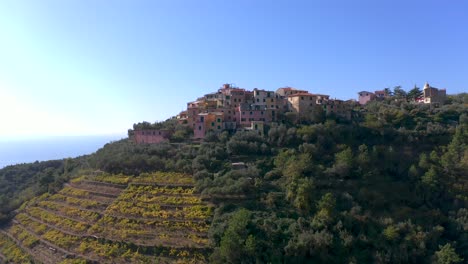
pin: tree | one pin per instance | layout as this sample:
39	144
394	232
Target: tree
325	211
236	244
414	94
399	92
303	195
343	163
318	114
430	178
388	91
447	255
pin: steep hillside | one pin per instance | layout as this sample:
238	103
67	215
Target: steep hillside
388	186
112	218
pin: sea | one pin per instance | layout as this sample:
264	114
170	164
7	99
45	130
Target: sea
16	151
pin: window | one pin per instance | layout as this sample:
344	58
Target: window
264	100
258	100
212	124
251	113
242	119
302	97
219	120
261	112
199	128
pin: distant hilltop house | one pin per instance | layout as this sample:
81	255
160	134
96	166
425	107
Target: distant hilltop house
365	96
431	95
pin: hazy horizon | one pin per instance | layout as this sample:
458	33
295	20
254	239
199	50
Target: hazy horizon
47	137
50	148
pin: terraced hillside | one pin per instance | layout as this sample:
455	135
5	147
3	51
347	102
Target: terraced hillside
151	218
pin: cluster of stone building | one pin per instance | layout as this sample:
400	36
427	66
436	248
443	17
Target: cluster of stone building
233	109
431	95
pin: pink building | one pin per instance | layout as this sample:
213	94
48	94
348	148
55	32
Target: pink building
182	118
365	97
151	136
248	114
380	94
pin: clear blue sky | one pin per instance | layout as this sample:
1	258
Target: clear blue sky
96	67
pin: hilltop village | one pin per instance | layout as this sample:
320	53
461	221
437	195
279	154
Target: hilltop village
237	109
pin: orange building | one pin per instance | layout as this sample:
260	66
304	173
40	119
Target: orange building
210	121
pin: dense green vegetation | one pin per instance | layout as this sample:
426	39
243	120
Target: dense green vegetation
388	186
22	182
